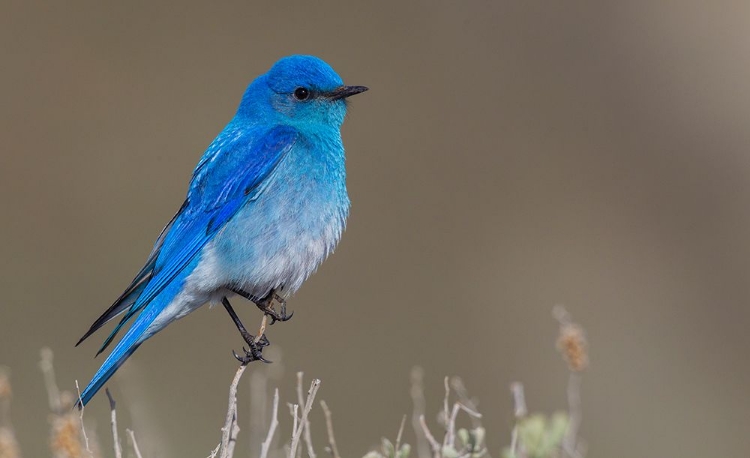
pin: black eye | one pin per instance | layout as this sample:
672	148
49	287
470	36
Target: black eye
301	93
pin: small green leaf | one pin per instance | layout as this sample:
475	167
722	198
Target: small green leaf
478	434
463	435
388	449
449	452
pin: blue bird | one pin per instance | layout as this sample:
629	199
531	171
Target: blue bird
267	203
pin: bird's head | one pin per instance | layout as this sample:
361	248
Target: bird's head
301	90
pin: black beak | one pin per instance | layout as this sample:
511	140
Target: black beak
343	92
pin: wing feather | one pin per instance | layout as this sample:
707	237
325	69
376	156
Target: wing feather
230	174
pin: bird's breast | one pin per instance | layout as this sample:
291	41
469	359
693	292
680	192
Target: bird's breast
280	239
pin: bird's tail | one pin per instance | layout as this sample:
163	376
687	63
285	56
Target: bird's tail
140	330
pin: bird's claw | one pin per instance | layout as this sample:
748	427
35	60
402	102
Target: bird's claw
255	352
280	315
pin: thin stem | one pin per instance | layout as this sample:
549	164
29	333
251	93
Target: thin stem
329	427
306	423
450	436
314	385
48	371
272	428
467	404
430	438
417	399
293	446
400	433
230	429
519	401
574	414
113	420
80	418
137	451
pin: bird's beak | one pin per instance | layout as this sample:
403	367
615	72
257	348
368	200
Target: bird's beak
343	92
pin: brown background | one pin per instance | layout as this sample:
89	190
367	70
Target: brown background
509	156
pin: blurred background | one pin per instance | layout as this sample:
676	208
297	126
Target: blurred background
510	156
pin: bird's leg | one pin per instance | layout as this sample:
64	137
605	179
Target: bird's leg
265	304
256	344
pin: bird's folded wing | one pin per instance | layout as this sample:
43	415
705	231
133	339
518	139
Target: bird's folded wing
232	173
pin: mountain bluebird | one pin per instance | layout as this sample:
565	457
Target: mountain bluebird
267	203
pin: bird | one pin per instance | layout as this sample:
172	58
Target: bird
266	205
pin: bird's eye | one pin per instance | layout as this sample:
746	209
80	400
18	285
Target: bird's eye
301	93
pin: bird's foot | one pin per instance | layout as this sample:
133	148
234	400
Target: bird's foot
255	352
281	315
266	306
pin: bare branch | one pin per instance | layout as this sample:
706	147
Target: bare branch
467	404
446	411
48	371
430	438
80	418
137	451
305	419
230	430
572	344
471	413
272	428
570	440
450	435
519	402
314	385
417	399
329	427
113	421
262	330
295	409
400	433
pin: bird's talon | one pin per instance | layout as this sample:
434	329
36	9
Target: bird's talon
278	316
255	351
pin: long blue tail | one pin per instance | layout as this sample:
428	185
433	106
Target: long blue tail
129	343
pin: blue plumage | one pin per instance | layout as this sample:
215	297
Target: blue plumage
266	205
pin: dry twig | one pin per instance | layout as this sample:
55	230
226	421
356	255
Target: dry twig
314	385
400	433
519	403
329	428
572	343
436	449
80	418
137	451
48	371
231	429
272	428
417	399
467	404
305	419
113	421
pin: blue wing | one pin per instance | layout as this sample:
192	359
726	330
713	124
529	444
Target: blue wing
231	173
